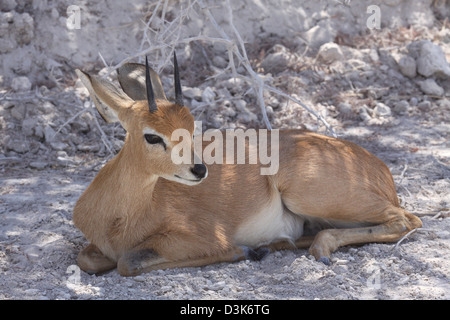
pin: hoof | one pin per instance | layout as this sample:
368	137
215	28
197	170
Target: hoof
255	255
90	272
324	260
261	253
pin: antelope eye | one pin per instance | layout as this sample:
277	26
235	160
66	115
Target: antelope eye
153	139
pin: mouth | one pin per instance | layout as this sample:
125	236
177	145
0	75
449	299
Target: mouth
191	180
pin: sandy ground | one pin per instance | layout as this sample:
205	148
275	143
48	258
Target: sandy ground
52	147
39	243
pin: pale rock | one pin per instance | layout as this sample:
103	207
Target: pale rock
38	165
382	110
430	87
407	66
217	286
424	105
61	154
80	89
49	133
32	291
18	111
219	61
233	84
443	234
55	13
38	131
32	253
241	105
21	61
339	270
223	93
192	93
330	52
384	68
28	126
243	114
196	104
364	113
373	55
7	5
8	104
344	108
413	101
228	111
320	15
356	64
216	120
247	117
318	35
58	146
88	147
63	161
21	83
444	104
277	61
17	146
139	278
432	61
16	29
23	28
444	33
208	95
401	107
7	41
47	107
274	102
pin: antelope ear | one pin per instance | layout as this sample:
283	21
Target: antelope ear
108	98
132	80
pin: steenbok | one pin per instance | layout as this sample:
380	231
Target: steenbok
144	212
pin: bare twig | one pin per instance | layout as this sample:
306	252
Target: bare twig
61	100
315	114
103	59
163	41
79	113
102	133
445	166
404	237
253	79
402	175
166	37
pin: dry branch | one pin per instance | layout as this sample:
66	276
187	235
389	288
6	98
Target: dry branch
404	237
163	39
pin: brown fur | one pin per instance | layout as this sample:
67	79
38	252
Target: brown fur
139	221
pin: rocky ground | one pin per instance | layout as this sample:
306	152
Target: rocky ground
386	90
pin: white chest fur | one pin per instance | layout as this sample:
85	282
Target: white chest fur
272	223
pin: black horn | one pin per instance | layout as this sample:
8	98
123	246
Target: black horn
176	75
148	83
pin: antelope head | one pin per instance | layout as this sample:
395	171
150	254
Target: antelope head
149	118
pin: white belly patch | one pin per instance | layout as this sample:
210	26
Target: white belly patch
269	225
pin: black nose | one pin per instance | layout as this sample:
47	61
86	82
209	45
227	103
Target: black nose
199	170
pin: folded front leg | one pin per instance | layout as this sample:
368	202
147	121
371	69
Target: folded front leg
93	261
144	260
